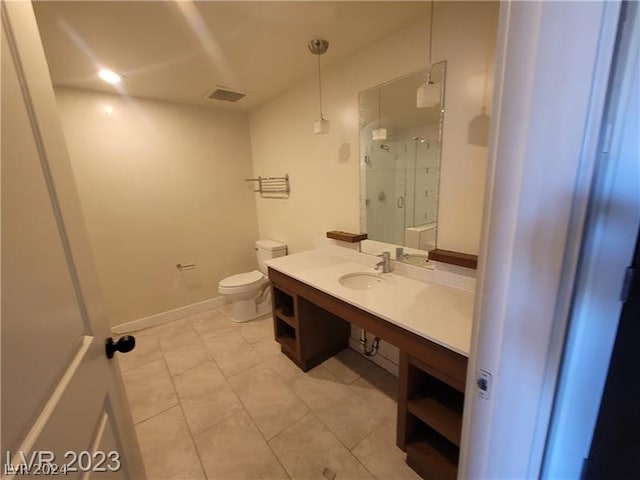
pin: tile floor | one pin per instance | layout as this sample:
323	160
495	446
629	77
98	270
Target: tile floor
215	399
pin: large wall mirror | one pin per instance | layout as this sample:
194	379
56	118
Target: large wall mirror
400	155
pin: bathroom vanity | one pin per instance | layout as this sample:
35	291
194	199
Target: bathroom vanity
315	299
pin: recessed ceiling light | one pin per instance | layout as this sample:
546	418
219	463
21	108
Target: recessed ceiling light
109	76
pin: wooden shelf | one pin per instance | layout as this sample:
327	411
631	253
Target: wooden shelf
454	258
442	418
347	236
430	462
288	343
288	319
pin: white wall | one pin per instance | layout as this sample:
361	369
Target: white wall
324	168
160	184
465	36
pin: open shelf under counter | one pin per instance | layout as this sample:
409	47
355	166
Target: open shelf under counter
430	462
288	343
286	315
430	407
440	416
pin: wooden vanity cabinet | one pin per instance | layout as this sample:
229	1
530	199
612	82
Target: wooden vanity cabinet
307	334
311	326
285	322
430	405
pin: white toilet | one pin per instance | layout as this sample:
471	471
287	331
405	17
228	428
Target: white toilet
249	292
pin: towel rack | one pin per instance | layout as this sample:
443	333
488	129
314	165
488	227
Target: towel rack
274	187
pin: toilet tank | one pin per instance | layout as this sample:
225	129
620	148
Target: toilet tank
266	249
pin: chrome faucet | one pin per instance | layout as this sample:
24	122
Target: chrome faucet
385	263
400	255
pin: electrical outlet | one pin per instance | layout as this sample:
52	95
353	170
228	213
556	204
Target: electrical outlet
483	384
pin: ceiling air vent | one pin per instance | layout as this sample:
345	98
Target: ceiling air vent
226	95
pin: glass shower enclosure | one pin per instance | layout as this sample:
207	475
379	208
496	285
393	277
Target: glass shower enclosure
400	148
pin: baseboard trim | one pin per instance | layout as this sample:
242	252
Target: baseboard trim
169	315
379	360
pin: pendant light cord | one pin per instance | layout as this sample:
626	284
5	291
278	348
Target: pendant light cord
430	42
379	101
430	32
320	89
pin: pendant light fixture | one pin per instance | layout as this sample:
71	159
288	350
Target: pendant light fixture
428	94
379	133
319	47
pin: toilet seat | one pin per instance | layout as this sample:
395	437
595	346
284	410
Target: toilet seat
242	282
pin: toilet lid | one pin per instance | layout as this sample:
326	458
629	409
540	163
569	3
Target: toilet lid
241	279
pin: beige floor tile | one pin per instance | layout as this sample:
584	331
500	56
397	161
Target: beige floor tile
205	396
347	365
382	380
283	366
232	353
266	346
211	323
379	389
168	329
183	351
256	330
147	350
380	455
167	448
308	447
234	449
346	414
271	403
318	385
149	390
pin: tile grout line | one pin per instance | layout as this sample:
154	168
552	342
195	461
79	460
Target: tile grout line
316	414
260	432
184	417
135	424
331	431
215	424
242	404
309	410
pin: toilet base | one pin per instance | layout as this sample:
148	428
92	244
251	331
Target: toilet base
241	311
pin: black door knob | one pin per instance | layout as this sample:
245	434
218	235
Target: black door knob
123	345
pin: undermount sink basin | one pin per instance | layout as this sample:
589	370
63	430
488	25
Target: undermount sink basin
361	280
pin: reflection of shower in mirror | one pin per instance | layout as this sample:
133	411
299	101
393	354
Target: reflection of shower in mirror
406	166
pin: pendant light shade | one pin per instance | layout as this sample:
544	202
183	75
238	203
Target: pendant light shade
319	47
379	133
428	94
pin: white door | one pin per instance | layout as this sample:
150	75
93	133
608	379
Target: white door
63	402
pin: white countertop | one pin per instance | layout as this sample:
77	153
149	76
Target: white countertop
440	313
